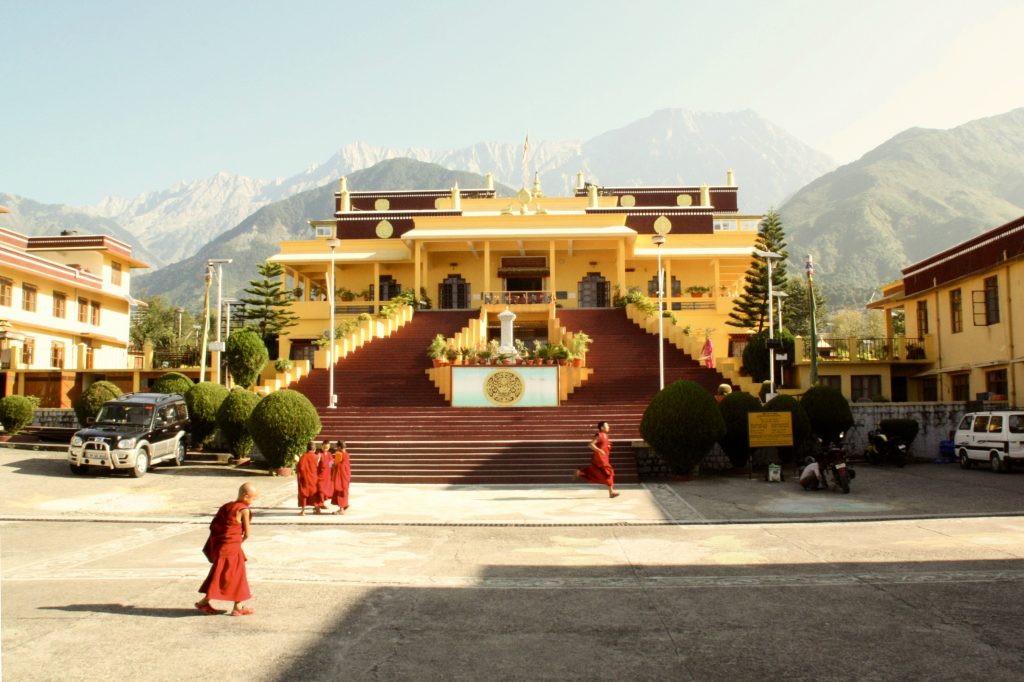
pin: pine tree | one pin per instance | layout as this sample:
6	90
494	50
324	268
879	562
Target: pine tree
796	312
268	304
751	308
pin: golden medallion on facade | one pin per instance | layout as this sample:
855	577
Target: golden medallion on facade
381	205
504	387
385	229
627	200
684	200
663	225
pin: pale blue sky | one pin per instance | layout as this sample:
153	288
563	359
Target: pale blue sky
114	98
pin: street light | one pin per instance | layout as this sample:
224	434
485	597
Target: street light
227	324
180	311
332	400
662	226
781	295
770	256
809	271
219	262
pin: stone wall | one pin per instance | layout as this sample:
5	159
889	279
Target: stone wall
935	421
55	417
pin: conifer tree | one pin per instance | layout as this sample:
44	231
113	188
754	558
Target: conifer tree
268	304
751	308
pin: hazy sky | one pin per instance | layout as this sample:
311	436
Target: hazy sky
113	97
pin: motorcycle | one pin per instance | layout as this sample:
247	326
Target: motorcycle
836	470
881	448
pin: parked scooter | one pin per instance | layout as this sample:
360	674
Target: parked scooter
835	469
881	449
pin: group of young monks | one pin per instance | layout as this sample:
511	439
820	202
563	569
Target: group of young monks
323	474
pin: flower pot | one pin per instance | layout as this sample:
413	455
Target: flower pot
436	361
577	362
283	471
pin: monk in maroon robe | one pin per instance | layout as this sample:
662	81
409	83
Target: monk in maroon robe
226	580
307	475
325	464
341	476
600	469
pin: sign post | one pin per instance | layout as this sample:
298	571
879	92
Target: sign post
769	429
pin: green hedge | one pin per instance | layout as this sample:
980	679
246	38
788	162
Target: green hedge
736	440
828	411
88	403
281	425
246	356
16	412
801	425
233	417
905	429
173	382
681	424
203	400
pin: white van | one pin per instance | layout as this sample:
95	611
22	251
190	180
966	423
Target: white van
994	437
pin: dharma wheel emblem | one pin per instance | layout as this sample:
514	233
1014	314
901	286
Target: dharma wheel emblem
503	387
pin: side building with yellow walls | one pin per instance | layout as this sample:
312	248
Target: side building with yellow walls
468	249
964	305
64	309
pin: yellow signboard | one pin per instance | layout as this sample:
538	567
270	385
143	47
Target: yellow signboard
769	429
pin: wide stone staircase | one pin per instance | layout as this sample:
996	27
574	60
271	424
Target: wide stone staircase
400	429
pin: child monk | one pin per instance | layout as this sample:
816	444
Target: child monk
341	477
226	580
307	475
600	469
325	464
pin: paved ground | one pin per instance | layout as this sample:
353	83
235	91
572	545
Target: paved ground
709	579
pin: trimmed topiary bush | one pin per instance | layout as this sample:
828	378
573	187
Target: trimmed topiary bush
681	424
232	420
734	408
203	400
16	412
905	429
281	425
246	356
755	355
173	382
828	412
88	403
801	425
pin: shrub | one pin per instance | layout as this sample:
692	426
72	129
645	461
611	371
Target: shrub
828	412
203	400
904	429
734	408
16	412
801	425
173	382
281	425
87	405
755	355
233	417
681	424
246	355
283	365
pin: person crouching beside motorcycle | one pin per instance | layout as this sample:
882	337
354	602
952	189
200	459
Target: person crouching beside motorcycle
810	476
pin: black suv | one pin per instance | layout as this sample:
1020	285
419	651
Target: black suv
133	432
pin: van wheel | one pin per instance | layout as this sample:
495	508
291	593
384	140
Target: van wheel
965	461
996	464
179	454
141	465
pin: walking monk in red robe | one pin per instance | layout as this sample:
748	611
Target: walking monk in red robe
600	469
325	484
341	476
226	580
307	475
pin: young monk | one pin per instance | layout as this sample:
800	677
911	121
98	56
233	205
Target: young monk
226	580
600	469
325	465
307	475
341	477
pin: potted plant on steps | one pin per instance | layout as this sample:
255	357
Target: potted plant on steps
437	349
580	343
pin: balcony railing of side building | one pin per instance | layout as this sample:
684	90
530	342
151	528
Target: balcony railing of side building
891	349
516	297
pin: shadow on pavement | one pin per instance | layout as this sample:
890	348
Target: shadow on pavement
127	610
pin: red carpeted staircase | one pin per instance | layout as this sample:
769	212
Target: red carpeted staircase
400	429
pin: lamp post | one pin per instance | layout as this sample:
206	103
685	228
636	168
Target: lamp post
227	329
662	226
208	277
332	399
809	271
781	295
219	262
770	256
180	311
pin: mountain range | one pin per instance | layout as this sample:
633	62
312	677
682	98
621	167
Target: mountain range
669	147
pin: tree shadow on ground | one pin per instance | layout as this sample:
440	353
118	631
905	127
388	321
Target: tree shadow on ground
127	610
